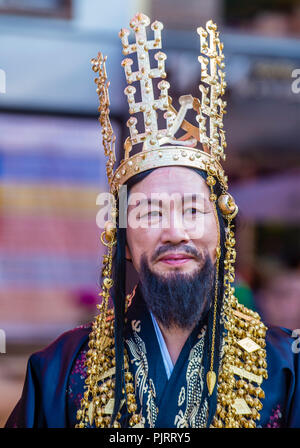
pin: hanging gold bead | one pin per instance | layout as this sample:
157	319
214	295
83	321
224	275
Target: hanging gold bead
128	376
210	181
108	283
135	418
110	230
226	204
131	398
107	420
129	388
251	424
114	213
110	394
132	407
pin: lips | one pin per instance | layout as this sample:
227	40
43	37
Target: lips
175	259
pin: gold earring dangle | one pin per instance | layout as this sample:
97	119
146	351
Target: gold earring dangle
211	375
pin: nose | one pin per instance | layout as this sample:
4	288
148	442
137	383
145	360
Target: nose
173	230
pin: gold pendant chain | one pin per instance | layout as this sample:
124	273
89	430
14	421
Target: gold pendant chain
243	366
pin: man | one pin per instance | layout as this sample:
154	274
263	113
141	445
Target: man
179	351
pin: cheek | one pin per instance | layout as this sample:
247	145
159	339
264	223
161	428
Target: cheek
205	228
141	241
206	234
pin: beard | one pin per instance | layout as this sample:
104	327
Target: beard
178	299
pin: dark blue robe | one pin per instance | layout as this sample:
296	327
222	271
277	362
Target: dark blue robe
55	379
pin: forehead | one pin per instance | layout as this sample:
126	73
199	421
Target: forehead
172	179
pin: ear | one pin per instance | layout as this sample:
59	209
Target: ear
127	253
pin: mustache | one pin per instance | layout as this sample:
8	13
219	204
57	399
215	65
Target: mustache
181	248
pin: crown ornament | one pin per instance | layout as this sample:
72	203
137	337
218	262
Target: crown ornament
148	146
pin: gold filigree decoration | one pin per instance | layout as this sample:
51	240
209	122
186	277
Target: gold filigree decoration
151	408
212	75
181	397
193	416
108	137
142	382
198	147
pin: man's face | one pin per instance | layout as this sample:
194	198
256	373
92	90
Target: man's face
173	235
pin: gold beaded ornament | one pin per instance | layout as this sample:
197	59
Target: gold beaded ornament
243	363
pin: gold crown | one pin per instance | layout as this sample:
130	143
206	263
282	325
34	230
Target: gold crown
160	147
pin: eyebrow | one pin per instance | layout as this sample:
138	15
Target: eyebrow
194	196
147	201
155	201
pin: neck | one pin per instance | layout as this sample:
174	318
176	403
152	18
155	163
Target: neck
175	339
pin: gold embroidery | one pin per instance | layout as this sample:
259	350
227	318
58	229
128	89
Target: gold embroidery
152	410
136	325
193	416
181	397
138	351
180	421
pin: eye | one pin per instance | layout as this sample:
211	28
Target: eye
154	213
151	214
194	211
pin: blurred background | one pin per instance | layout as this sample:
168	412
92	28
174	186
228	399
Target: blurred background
52	165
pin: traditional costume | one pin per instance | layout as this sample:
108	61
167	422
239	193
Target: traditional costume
232	371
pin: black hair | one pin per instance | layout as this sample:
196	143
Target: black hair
119	293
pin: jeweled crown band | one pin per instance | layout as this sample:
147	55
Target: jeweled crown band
167	156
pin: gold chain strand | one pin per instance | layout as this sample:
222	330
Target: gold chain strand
238	401
211	375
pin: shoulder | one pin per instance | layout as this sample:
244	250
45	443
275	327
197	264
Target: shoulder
62	349
283	347
275	335
280	335
282	344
